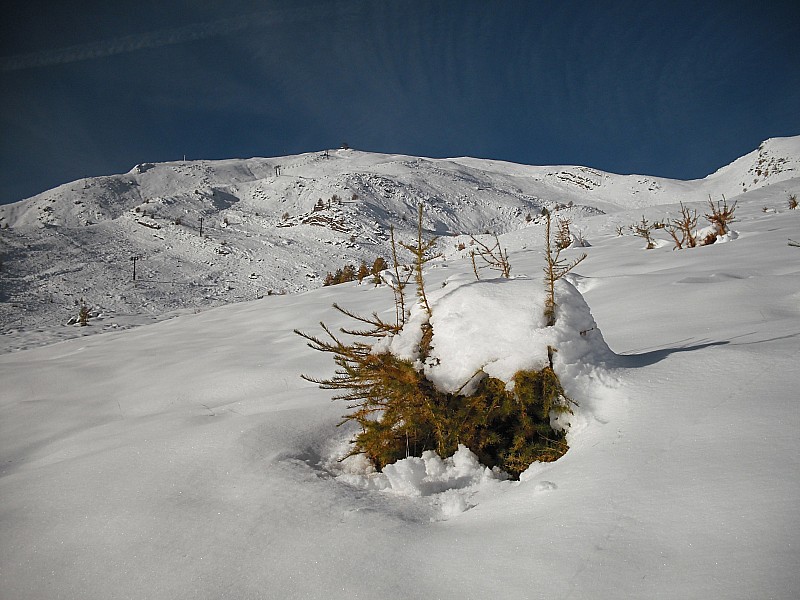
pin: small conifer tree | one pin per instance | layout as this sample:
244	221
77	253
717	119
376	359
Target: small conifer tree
720	218
398	409
363	271
422	251
83	314
348	273
563	235
644	230
399	286
683	229
493	257
378	266
555	268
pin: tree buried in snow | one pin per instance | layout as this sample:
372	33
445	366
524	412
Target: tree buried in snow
472	364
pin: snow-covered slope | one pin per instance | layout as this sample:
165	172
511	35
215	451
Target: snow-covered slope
280	224
187	459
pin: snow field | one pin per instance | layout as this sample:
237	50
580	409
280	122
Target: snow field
187	459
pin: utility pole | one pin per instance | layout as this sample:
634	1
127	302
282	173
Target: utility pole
134	258
201	226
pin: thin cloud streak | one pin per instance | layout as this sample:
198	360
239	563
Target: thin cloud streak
152	39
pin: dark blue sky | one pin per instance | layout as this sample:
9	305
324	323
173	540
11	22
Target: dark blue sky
675	89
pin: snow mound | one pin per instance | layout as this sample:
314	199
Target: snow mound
497	328
448	483
492	328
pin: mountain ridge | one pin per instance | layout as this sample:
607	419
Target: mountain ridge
277	225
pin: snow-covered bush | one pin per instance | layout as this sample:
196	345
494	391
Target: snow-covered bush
85	313
720	219
473	363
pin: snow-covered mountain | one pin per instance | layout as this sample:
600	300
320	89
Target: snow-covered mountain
187	459
280	224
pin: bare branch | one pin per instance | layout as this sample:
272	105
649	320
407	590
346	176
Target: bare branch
494	257
684	230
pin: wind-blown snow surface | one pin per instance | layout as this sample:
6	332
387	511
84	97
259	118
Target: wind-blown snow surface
187	459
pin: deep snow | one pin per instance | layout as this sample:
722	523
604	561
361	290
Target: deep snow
187	459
